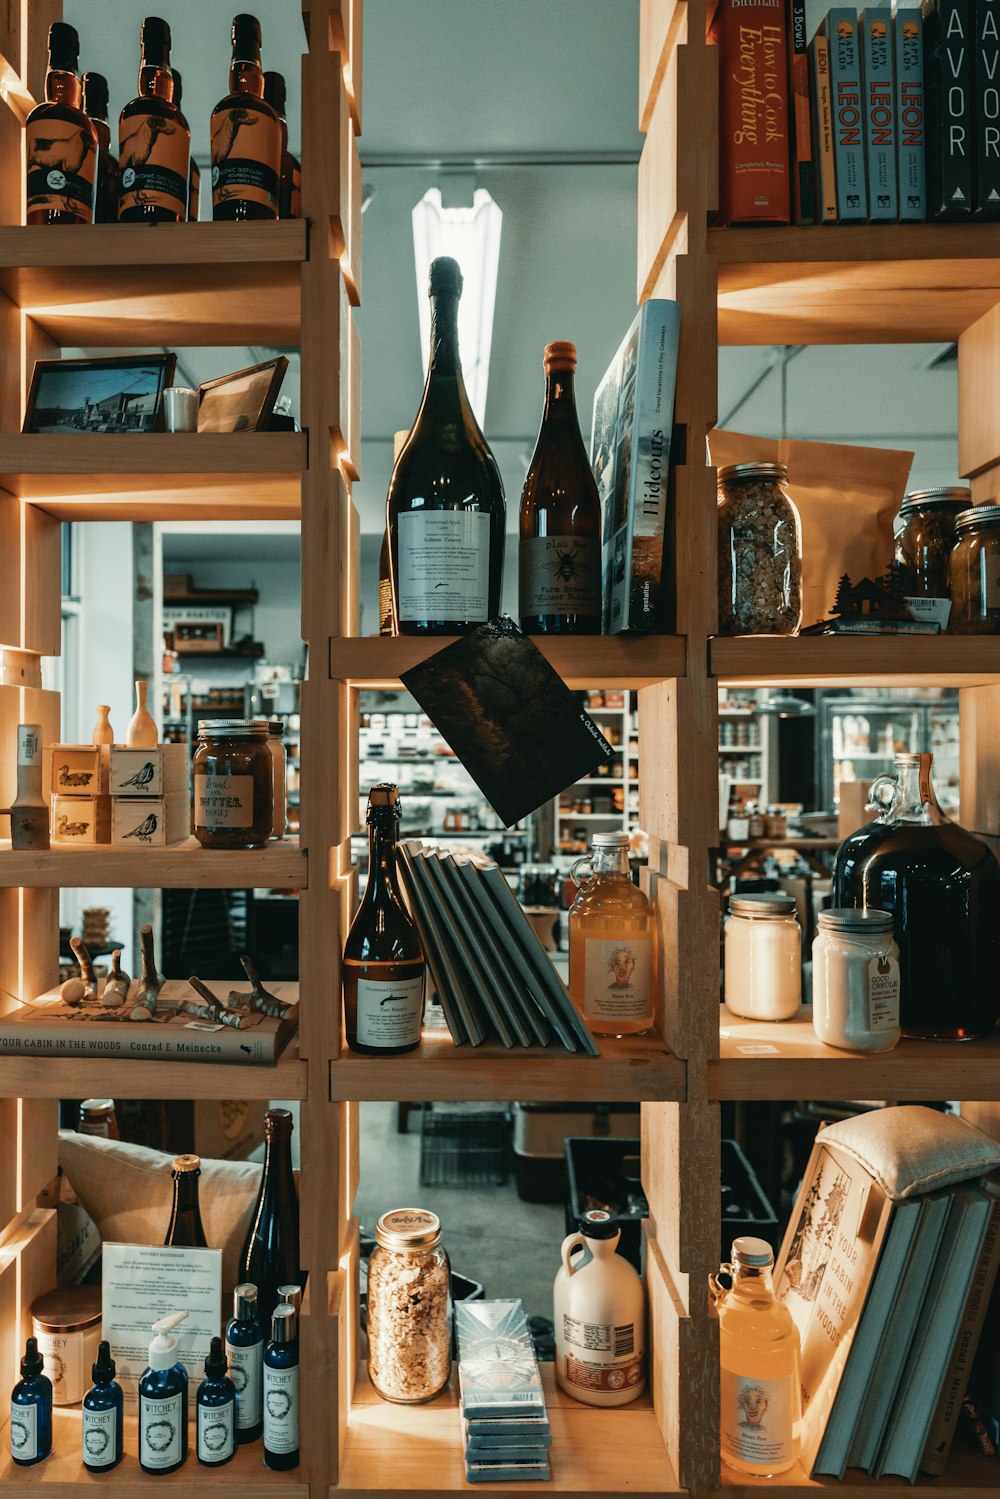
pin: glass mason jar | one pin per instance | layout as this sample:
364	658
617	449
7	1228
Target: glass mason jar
924	544
612	943
974	572
409	1308
233	784
763	967
760	552
856	980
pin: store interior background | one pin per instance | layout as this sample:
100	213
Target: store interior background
551	132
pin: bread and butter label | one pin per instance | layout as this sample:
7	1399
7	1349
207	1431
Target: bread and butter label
223	801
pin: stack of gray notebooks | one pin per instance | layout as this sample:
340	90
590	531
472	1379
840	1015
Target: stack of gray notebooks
504	1421
492	976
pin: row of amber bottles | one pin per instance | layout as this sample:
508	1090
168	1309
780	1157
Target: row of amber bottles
74	178
442	559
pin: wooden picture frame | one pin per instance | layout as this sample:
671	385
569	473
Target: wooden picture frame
242	401
93	395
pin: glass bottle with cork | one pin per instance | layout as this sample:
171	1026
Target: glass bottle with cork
612	942
185	1229
246	136
154	139
60	141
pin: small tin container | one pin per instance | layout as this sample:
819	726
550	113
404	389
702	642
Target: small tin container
67	1325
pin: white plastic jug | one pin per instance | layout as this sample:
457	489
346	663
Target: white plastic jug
600	1317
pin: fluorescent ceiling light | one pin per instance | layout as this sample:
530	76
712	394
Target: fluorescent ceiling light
472	237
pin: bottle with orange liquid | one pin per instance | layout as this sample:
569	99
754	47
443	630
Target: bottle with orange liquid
612	943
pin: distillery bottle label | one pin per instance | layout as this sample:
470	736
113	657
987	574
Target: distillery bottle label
281	1409
618	978
245	1366
390	1014
62	167
160	1431
246	157
444	565
153	157
559	575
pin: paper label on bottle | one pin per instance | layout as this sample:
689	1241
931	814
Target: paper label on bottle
216	1437
444	565
154	151
559	575
223	801
161	1431
601	1355
245	1371
246	157
281	1409
65	1364
883	993
100	1437
618	978
62	166
390	1014
757	1417
23	1432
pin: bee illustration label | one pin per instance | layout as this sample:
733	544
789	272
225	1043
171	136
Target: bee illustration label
153	155
62	166
99	1438
757	1417
223	802
390	1014
246	156
281	1409
444	565
560	575
618	978
245	1365
160	1431
23	1432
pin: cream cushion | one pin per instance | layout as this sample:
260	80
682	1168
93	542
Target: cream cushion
911	1149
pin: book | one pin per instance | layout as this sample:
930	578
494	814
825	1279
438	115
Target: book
754	155
630	457
51	1028
821	106
875	25
463	1010
911	114
497	1369
533	1431
841	31
948	44
986	108
803	172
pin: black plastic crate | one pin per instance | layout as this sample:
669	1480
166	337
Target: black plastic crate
745	1209
464	1148
605	1174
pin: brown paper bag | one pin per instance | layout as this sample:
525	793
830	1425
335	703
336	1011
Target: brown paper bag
846	498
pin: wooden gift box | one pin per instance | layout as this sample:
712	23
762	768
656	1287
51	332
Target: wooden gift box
79	769
160	771
151	822
81	819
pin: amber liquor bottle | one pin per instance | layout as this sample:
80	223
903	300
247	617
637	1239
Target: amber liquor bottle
95	107
383	970
290	192
185	1230
60	141
194	170
246	136
559	558
154	141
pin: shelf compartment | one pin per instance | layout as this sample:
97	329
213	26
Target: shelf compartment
856	660
111	285
829	284
181	866
969	1475
69	1077
156	475
582	661
762	1059
416	1451
635	1068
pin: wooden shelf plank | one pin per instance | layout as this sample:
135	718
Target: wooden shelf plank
67	1077
856	661
416	1450
762	1059
867	283
181	866
633	1068
970	1475
110	285
582	661
156	475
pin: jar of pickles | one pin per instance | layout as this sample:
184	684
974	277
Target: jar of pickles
974	572
409	1307
233	784
924	544
760	552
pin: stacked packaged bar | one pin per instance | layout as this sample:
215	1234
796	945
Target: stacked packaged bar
504	1421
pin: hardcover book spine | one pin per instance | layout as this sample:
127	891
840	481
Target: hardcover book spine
754	161
880	114
822	123
848	115
803	172
986	109
948	80
911	114
158	1043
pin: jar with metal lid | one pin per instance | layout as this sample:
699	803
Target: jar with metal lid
924	543
67	1325
763	967
856	980
409	1307
279	755
233	784
974	572
98	1117
760	552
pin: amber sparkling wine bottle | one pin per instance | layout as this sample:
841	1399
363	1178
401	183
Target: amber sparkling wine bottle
95	107
246	136
154	139
60	141
383	969
445	510
559	557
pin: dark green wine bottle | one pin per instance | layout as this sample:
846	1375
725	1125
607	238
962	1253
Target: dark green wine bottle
185	1230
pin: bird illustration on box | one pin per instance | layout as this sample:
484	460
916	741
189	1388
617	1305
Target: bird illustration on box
144	832
67	829
69	777
141	779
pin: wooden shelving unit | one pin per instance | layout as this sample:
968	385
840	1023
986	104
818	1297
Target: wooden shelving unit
611	660
181	866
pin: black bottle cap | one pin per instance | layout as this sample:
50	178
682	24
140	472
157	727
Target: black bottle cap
597	1224
64	47
445	277
215	1363
95	96
155	42
246	37
274	91
178	86
105	1369
32	1364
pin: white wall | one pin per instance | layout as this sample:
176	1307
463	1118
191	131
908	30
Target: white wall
275	620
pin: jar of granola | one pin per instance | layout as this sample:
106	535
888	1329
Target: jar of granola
409	1307
760	552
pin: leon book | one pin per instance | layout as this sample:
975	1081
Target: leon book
822	129
911	114
875	26
841	31
754	152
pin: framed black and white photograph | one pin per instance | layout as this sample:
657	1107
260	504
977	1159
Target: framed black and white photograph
243	401
121	393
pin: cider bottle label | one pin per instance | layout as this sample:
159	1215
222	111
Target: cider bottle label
62	166
153	156
618	978
757	1420
560	575
246	157
390	1014
444	565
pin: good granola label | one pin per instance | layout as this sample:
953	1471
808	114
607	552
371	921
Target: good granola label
223	802
618	978
560	575
390	1014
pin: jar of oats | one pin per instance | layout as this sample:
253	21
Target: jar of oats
760	552
409	1307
